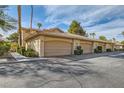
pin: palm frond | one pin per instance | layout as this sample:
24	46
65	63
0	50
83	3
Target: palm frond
6	22
3	7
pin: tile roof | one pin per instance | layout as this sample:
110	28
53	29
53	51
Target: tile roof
62	34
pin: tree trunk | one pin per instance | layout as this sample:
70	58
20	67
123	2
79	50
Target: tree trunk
19	25
31	17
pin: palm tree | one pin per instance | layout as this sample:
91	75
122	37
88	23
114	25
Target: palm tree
31	17
39	25
7	23
122	33
92	35
113	39
19	25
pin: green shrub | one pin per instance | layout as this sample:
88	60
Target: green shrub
78	50
98	49
28	53
31	53
118	49
4	47
2	50
108	50
115	49
14	47
95	50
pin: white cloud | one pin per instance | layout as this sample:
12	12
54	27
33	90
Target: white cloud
93	16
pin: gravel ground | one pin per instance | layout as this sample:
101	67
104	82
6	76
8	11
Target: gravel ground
65	72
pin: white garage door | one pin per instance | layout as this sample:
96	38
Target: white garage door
57	48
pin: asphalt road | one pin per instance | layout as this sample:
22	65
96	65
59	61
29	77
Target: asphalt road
66	72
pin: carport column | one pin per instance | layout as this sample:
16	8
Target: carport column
41	46
73	46
112	47
26	46
106	46
93	46
75	43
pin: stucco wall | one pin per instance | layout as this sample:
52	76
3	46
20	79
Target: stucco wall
118	47
34	44
96	44
109	46
87	46
26	33
38	44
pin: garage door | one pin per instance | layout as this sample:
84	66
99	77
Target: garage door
57	48
87	48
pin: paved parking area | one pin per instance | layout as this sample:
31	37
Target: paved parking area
64	72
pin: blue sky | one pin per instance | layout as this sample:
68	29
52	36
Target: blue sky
103	20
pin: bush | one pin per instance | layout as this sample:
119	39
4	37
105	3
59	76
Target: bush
28	53
78	50
19	50
2	50
31	53
115	49
14	47
108	50
118	49
4	47
98	49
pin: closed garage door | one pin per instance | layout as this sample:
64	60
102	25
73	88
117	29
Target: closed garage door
57	48
87	48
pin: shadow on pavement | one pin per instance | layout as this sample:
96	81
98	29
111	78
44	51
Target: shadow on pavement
33	68
88	56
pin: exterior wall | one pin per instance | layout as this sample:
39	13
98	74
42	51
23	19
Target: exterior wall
75	43
86	46
118	47
96	44
109	46
34	44
64	45
41	46
26	33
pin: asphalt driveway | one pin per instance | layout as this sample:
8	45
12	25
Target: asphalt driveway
64	72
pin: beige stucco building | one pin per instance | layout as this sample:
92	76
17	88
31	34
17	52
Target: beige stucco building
54	42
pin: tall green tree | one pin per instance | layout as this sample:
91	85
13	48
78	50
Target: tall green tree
122	42
39	25
102	38
122	33
75	28
7	22
13	37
